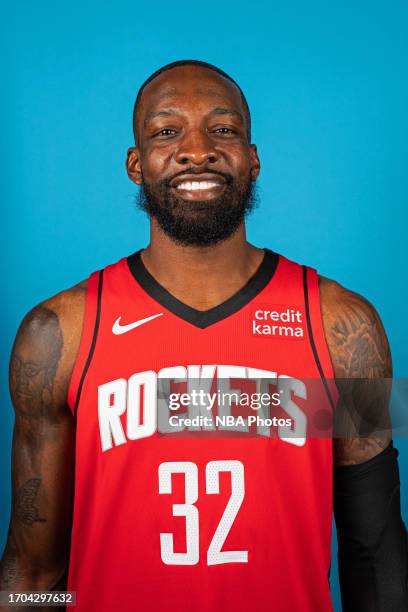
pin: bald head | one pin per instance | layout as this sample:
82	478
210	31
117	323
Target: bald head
188	77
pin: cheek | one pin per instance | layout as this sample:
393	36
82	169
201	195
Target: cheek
36	383
155	163
239	159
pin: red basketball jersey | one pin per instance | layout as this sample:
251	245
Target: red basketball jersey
206	515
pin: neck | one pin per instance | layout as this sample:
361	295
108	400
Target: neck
201	277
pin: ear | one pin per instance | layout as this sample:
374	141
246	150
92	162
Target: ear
133	165
255	163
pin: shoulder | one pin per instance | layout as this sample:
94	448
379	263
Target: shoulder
354	333
336	300
64	310
47	344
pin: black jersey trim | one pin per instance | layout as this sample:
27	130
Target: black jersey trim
93	343
312	342
200	318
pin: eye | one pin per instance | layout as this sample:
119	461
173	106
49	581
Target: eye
166	132
224	130
16	363
31	369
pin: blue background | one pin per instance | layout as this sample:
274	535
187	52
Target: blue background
327	85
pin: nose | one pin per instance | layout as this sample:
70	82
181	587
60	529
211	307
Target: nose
196	148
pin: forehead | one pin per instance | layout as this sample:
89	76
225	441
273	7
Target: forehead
190	87
42	352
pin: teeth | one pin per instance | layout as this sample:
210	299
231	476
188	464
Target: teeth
193	185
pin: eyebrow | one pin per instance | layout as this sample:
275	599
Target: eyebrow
162	113
226	111
218	110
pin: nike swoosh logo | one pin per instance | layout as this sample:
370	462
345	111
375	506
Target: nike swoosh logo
122	329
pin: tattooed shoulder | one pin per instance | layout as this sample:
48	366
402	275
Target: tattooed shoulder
44	352
356	337
362	366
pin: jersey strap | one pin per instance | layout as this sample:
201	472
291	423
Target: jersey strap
88	338
316	333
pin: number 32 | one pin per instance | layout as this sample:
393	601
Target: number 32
215	555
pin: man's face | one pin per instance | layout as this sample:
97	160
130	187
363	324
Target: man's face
193	161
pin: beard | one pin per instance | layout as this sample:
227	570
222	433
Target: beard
198	223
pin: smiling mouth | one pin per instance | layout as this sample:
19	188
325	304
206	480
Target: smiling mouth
205	188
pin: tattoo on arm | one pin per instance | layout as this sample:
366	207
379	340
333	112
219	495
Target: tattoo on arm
26	510
363	369
43	443
32	377
8	565
362	349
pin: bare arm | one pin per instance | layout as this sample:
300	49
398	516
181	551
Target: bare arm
371	535
362	366
37	548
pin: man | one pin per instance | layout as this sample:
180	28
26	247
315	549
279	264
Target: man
189	515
